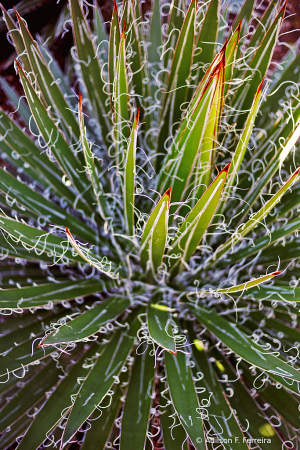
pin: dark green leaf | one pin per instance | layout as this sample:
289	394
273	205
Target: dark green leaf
184	397
137	405
89	322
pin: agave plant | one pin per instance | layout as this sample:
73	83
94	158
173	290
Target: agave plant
149	233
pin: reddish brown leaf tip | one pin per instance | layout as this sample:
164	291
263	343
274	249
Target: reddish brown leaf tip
278	272
168	192
283	8
226	168
223	49
124	27
138	114
68	232
19	67
17	14
2	7
296	172
80	102
259	89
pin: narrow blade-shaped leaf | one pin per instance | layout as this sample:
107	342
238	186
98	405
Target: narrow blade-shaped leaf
155	37
221	417
230	56
50	89
160	326
176	89
177	14
44	294
241	147
207	38
90	67
121	102
244	15
54	139
59	401
184	397
272	167
266	241
114	45
17	39
99	27
195	224
155	235
188	146
44	171
89	322
244	286
129	178
239	343
206	158
248	411
137	405
37	206
29	395
91	168
102	264
134	34
37	241
174	437
258	66
256	219
99	380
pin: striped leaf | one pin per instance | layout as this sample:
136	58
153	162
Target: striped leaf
257	218
89	322
176	88
239	343
137	406
184	397
196	223
129	178
90	68
103	374
155	235
121	98
160	325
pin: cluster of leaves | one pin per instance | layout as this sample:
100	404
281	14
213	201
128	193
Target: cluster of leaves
143	225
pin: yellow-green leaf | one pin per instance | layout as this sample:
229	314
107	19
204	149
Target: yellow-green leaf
155	235
194	226
129	178
245	228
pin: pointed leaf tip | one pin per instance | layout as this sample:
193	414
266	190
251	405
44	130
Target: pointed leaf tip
138	114
226	168
168	193
19	67
259	89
